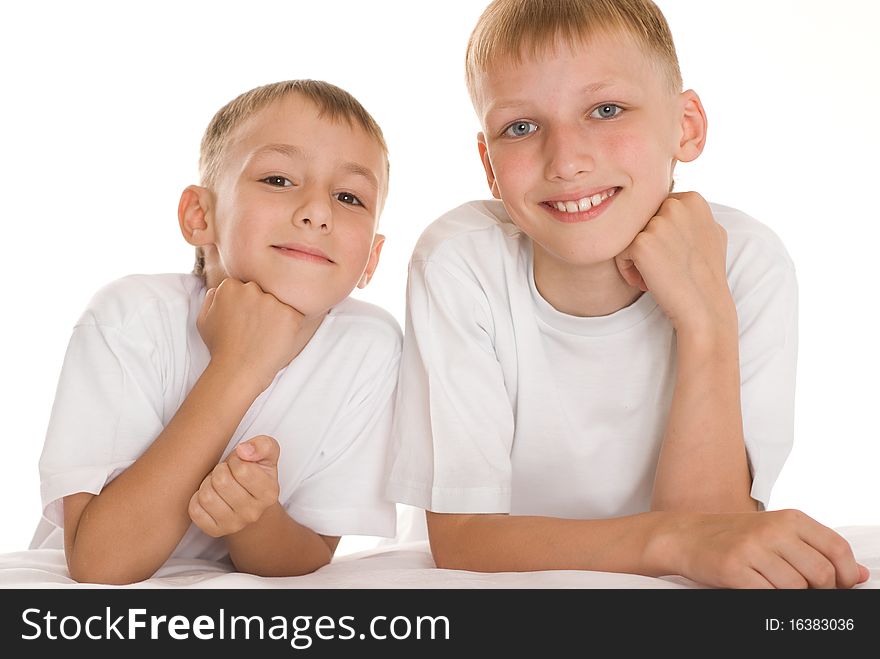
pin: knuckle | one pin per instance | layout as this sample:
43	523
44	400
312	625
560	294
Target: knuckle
839	550
207	497
221	476
791	517
825	574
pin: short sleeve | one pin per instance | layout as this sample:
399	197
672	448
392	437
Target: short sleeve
344	495
768	326
107	409
454	420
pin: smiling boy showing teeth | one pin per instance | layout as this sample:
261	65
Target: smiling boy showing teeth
597	373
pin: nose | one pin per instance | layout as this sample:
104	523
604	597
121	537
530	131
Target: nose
314	213
567	153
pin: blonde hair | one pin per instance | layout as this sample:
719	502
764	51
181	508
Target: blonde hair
332	102
514	29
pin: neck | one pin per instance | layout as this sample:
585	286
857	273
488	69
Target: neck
591	290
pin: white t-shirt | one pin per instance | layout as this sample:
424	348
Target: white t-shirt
506	405
136	353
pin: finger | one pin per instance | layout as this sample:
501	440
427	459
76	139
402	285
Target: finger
628	270
779	572
815	568
261	448
206	305
864	573
202	518
747	577
259	482
836	549
231	494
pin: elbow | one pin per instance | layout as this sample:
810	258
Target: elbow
448	538
445	559
101	576
102	570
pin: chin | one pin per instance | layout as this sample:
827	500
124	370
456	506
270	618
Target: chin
308	305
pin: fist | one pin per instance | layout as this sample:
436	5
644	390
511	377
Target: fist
247	330
239	489
681	257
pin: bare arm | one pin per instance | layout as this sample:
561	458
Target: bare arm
680	257
509	543
125	533
276	545
779	549
703	465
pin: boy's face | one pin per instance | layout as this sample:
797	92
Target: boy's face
296	206
580	145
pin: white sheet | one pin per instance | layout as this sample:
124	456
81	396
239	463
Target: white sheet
405	565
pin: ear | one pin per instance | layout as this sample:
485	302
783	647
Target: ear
693	127
193	214
378	242
487	165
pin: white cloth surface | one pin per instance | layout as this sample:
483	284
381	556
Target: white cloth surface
401	566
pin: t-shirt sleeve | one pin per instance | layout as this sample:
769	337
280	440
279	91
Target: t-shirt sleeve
344	495
107	400
454	420
768	327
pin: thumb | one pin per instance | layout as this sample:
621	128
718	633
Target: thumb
628	270
262	449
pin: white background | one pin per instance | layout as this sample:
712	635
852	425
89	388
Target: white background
104	104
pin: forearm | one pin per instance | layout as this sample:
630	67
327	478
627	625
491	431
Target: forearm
703	464
276	545
131	528
508	543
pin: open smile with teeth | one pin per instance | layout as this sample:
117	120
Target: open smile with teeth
581	205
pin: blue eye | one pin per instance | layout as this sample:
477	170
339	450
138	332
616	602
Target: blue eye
520	129
606	111
277	181
348	198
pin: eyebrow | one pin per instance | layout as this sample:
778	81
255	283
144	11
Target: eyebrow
516	103
294	152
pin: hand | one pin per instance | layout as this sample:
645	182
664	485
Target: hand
776	549
247	330
681	257
238	490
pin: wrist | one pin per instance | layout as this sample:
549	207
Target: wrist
238	377
664	552
709	330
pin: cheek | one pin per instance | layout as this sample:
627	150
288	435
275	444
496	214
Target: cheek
512	168
646	162
355	241
630	151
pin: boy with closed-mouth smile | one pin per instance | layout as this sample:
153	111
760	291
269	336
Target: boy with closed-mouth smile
240	413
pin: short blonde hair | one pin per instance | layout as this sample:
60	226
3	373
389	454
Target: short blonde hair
332	102
514	29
